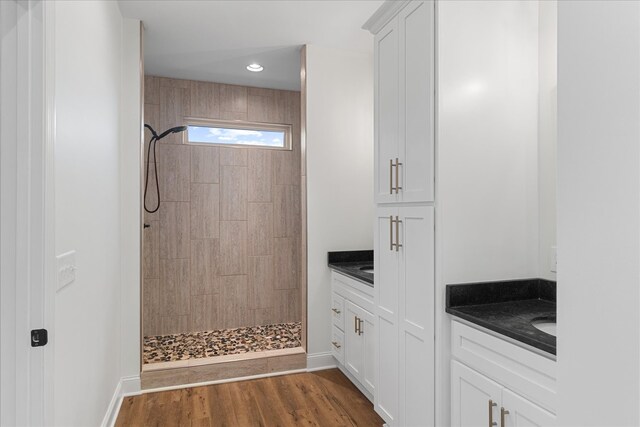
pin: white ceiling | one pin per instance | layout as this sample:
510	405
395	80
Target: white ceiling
216	40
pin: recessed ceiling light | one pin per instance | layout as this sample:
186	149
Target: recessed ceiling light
256	68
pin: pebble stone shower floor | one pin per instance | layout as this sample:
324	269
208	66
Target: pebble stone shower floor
222	342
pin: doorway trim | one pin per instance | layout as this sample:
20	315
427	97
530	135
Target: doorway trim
26	189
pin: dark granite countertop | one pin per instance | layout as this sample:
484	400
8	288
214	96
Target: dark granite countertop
352	263
508	307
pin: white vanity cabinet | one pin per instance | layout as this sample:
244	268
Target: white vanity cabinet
353	334
404	105
496	382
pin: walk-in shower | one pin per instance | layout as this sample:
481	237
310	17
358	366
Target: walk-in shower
223	249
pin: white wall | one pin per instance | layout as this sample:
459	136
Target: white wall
339	171
487	209
598	213
87	332
547	133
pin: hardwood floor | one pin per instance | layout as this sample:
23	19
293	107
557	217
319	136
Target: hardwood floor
322	398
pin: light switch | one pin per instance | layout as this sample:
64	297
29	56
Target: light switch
553	260
66	269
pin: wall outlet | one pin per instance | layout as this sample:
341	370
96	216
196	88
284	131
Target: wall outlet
553	260
66	269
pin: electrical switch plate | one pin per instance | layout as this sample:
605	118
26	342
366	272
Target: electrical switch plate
66	268
553	260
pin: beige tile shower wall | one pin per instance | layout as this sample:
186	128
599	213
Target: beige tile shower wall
225	248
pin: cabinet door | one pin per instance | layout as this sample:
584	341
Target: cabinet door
386	257
386	110
416	315
369	337
523	413
472	395
386	303
354	343
416	147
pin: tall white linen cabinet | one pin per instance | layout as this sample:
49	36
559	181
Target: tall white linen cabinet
404	221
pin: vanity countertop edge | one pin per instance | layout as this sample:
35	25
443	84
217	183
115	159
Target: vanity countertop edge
351	263
507	308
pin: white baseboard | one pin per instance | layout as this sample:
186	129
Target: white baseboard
127	386
320	361
113	408
130	385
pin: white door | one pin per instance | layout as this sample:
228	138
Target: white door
416	148
386	257
22	220
386	111
475	399
354	344
523	413
416	315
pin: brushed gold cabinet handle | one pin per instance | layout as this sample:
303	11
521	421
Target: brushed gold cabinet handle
492	404
503	412
335	344
335	310
397	244
360	322
398	164
391	165
391	232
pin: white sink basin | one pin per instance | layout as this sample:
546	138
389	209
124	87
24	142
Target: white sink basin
546	326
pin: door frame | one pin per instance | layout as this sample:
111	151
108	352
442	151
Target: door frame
26	218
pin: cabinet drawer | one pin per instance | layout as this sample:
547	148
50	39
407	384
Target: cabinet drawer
337	311
530	375
337	344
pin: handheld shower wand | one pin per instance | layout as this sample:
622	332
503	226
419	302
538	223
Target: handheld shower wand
153	141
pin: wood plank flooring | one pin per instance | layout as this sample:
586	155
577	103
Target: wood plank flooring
323	398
